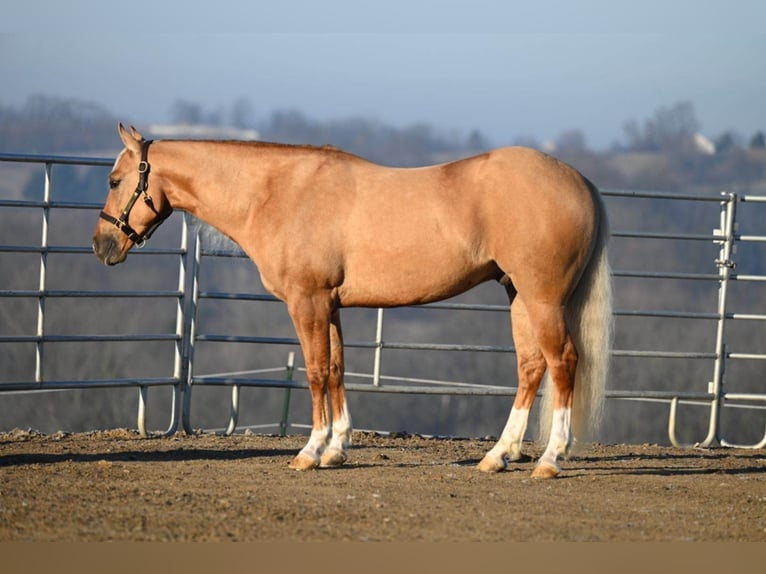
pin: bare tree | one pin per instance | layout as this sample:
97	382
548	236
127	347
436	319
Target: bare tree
186	112
669	129
242	114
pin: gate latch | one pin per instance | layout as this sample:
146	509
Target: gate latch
726	263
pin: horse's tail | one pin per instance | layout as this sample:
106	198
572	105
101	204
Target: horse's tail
589	319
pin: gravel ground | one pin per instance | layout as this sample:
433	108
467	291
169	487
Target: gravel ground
116	486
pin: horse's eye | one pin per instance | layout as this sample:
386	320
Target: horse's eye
114	183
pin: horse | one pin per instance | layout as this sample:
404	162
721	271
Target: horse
327	229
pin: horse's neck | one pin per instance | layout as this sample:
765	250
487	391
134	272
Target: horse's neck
212	183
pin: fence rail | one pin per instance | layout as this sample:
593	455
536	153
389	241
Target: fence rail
188	296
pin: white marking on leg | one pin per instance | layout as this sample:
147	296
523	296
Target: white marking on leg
341	430
560	439
316	444
509	444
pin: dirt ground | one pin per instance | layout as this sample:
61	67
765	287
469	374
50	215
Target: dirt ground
117	486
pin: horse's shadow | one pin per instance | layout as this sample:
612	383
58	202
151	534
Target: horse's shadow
180	455
592	471
575	467
590	466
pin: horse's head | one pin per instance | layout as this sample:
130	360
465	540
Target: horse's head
125	221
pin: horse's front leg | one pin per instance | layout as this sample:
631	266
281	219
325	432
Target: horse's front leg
335	455
311	317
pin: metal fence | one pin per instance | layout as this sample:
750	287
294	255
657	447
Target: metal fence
187	299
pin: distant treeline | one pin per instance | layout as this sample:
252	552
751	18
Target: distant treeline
662	151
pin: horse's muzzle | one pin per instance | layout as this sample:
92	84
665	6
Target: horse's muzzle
108	250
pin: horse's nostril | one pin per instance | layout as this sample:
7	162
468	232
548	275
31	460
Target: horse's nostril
107	250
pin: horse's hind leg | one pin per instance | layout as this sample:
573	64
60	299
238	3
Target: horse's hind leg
335	455
531	368
549	325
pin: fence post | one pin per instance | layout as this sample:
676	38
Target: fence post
378	349
178	360
39	350
141	416
181	321
725	266
190	332
233	411
286	405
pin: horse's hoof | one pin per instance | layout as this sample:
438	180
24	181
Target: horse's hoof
303	462
492	464
333	457
545	471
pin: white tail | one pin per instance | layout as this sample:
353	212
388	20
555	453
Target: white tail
589	319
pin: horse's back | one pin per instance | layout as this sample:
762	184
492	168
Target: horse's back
428	233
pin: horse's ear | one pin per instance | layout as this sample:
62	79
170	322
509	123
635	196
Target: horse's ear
136	135
132	140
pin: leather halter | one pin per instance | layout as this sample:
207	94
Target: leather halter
121	223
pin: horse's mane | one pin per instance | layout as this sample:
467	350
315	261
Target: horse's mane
327	148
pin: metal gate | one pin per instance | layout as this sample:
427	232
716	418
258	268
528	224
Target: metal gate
189	296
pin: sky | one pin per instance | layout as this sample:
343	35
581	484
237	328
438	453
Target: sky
505	68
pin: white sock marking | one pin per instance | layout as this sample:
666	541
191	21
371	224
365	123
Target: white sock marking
560	438
341	430
513	433
317	443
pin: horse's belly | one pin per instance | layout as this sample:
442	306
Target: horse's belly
410	280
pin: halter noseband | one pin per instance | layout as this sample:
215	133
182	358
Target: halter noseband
121	223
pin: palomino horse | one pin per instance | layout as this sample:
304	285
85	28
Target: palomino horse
328	230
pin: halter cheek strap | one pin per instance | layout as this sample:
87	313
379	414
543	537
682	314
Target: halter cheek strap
121	223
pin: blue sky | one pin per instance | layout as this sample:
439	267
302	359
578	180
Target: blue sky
505	68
